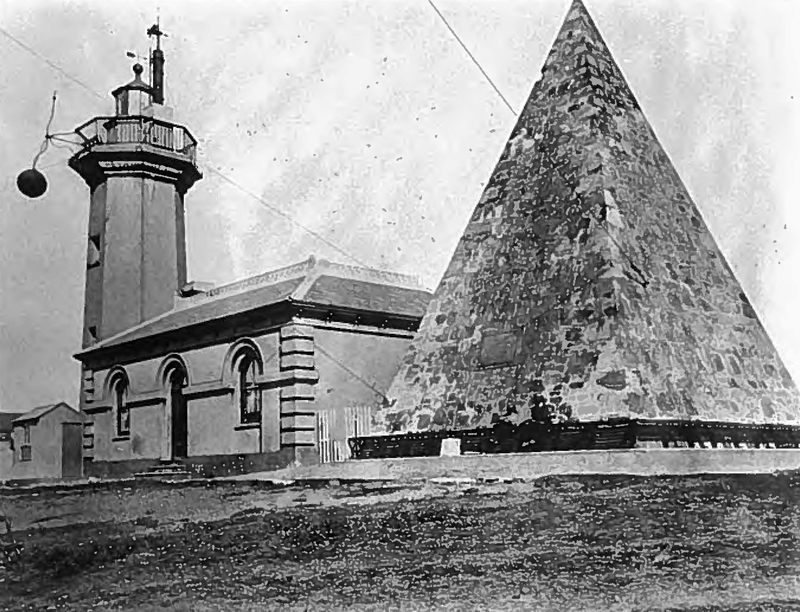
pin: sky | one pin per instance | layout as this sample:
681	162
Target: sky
366	123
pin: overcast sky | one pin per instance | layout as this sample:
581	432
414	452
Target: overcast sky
367	123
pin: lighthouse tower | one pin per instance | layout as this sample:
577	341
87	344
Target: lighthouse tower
138	165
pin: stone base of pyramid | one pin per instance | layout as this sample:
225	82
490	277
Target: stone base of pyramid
616	433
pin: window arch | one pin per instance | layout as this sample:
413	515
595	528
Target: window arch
176	378
167	370
246	369
122	414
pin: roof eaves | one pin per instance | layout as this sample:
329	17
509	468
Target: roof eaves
105	348
355	310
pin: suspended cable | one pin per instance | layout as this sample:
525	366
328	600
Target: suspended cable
63	140
46	141
355	375
49	63
54	164
64	146
472	57
278	211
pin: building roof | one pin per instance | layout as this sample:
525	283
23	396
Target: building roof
7	421
312	282
38	413
206	311
329	290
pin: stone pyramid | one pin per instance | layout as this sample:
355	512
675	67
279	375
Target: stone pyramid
586	283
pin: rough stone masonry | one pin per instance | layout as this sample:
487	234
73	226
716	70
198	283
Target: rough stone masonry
586	283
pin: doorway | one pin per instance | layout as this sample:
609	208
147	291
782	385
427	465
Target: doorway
180	428
72	450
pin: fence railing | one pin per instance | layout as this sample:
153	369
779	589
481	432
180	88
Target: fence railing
596	435
336	427
138	129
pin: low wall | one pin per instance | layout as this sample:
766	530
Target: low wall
533	465
229	465
617	433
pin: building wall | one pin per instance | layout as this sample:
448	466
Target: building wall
164	255
147	425
307	367
146	431
143	273
212	412
45	450
355	370
214	428
121	256
6	460
93	304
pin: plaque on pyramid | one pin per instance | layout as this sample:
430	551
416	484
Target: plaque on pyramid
586	284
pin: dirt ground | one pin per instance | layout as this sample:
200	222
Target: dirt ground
698	543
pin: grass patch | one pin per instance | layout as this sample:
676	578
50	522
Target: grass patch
560	543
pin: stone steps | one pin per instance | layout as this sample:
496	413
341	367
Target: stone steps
166	470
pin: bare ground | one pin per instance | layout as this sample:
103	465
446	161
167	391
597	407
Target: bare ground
698	543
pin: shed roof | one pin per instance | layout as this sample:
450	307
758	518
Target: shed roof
39	412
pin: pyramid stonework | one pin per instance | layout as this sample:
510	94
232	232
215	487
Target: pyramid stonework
586	282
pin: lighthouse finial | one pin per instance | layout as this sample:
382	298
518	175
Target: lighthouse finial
157	63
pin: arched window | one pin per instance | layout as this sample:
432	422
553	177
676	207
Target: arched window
247	368
119	392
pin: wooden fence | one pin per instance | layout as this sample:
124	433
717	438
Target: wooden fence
336	427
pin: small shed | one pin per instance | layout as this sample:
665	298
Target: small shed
48	443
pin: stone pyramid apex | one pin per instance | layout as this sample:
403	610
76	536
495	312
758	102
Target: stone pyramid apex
586	284
578	23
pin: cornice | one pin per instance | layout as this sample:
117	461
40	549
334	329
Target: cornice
103	161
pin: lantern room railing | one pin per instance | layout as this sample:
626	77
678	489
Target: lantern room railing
138	129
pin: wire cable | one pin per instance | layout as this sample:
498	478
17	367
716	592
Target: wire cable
286	216
54	164
55	139
46	141
355	375
472	57
54	66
